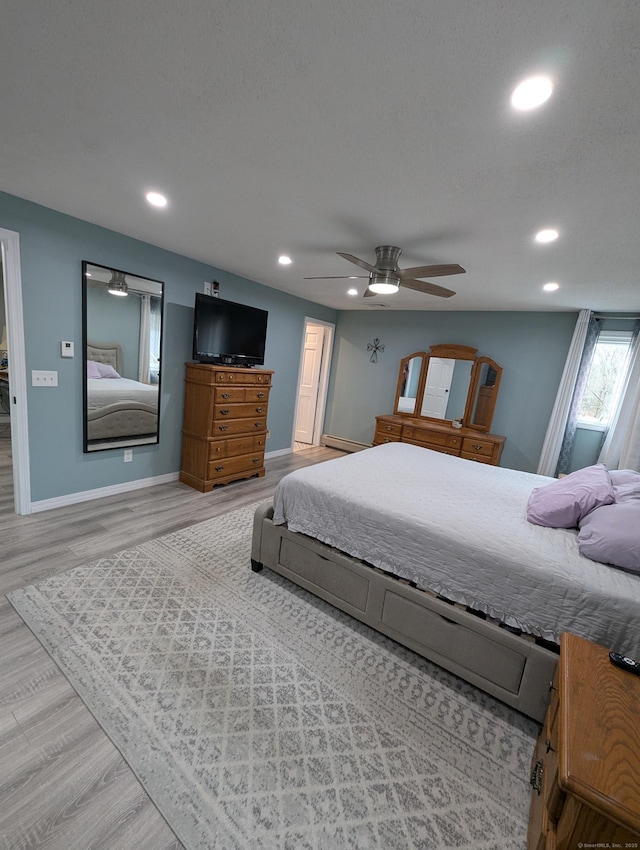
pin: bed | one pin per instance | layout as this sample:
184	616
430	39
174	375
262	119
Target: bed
118	407
436	552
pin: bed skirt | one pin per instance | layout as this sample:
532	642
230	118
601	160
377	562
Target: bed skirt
513	668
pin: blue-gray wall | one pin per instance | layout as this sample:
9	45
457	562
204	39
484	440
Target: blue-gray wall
531	347
52	248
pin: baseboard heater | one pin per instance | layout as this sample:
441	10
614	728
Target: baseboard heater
344	445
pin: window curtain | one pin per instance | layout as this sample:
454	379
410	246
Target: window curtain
564	456
144	356
558	422
621	448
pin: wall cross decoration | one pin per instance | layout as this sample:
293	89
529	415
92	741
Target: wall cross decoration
375	347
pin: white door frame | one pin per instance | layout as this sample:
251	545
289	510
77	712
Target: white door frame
10	245
323	387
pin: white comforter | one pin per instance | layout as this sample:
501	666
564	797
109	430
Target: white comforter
104	391
459	528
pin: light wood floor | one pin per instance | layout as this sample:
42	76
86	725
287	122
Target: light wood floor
63	785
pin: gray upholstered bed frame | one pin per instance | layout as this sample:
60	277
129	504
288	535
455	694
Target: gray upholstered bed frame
125	419
513	668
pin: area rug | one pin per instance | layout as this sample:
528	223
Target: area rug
257	716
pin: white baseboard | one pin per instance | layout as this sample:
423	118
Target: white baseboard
101	492
278	453
345	445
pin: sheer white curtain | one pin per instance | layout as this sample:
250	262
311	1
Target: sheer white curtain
558	421
144	359
621	448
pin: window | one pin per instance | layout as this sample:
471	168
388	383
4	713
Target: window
605	380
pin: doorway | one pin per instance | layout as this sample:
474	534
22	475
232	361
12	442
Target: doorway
16	374
313	383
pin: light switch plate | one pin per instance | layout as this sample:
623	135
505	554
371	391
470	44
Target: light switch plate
66	349
44	379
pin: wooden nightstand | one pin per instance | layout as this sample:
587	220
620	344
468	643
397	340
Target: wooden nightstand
586	767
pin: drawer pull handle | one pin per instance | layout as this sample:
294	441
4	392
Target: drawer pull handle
477	447
388	427
387	440
536	776
224	412
256	460
261	395
219	468
258	424
552	687
547	744
226	395
222	427
259	409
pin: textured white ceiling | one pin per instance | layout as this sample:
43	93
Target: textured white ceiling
315	126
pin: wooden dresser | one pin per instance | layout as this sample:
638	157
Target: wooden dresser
225	424
585	771
463	442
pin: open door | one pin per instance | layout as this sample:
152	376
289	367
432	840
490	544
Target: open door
312	382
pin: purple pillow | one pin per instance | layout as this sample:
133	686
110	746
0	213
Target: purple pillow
611	535
626	484
563	503
92	369
107	371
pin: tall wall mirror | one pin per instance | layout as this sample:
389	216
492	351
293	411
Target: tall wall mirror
122	345
449	383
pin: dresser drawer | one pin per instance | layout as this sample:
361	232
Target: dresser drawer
478	447
382	437
236	446
233	465
477	458
228	395
431	439
227	428
242	377
389	429
238	411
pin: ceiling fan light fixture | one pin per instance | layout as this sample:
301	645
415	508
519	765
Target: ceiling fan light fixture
383	284
117	284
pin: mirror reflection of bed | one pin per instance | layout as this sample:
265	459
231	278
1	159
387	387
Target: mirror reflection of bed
122	345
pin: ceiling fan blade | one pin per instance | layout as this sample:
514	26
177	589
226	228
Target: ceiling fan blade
431	271
428	288
339	277
357	261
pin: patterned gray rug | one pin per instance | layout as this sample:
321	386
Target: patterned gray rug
257	716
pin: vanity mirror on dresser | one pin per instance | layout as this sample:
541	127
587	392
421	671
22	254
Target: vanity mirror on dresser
445	400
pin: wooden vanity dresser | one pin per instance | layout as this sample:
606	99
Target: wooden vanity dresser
445	401
225	424
441	437
585	771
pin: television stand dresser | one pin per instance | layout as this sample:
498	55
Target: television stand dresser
585	771
225	424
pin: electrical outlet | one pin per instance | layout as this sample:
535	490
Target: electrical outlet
128	455
44	379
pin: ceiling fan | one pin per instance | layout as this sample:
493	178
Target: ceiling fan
385	277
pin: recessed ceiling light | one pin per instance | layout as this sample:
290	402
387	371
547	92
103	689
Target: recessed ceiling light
156	199
531	93
353	277
284	260
548	235
551	287
352	291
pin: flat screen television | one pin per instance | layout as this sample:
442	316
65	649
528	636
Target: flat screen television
228	333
